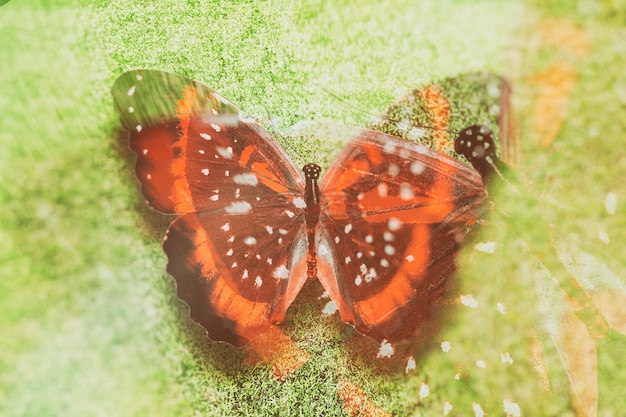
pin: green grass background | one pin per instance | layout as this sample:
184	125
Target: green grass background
89	321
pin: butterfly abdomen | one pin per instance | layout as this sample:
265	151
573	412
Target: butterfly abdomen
311	214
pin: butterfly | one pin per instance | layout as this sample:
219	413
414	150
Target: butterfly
577	296
379	229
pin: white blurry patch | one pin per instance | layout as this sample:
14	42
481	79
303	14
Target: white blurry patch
478	410
330	308
424	391
281	272
481	363
604	237
410	365
386	349
469	301
511	408
610	203
457	376
324	295
394	224
447	407
501	308
299	202
246	178
416	133
486	247
445	346
506	358
238	207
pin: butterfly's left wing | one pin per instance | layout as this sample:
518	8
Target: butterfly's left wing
237	249
393	216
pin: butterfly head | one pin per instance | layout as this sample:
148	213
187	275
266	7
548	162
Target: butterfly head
312	171
476	144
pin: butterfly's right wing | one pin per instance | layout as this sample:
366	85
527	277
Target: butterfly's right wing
394	214
238	249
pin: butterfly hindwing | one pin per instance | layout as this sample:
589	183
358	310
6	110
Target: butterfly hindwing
395	214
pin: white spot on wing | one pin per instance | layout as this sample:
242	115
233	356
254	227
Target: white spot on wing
299	202
406	191
445	347
389	147
205	171
238	207
417	168
139	128
269	229
281	272
382	190
246	178
249	240
424	391
225	227
258	281
348	228
394	224
216	127
393	170
205	136
389	250
290	213
369	238
226	153
131	90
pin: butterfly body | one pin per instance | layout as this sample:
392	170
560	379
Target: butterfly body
380	230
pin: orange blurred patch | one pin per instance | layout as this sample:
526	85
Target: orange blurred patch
438	109
356	403
555	85
557	82
276	348
565	36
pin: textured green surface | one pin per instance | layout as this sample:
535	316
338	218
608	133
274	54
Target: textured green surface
90	323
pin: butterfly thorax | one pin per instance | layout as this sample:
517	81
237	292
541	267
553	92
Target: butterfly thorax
312	213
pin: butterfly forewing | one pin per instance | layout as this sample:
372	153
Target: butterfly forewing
240	238
394	215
